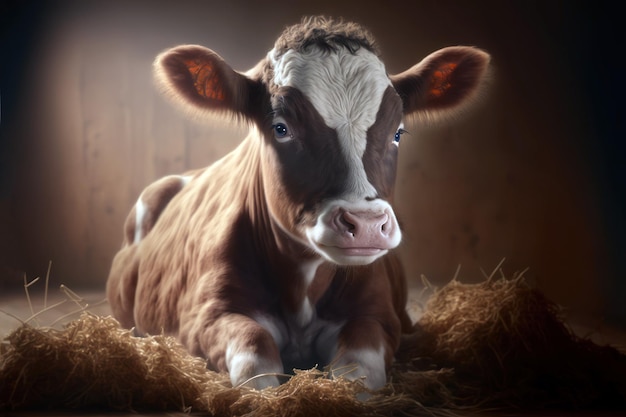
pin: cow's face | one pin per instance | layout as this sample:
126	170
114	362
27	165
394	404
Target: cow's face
333	135
330	119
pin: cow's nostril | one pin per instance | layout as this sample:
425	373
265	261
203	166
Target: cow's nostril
385	227
348	223
343	223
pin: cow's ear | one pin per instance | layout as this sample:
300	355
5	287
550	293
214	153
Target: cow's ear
201	80
443	82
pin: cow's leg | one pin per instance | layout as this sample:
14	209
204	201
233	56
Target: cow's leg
121	286
239	345
364	350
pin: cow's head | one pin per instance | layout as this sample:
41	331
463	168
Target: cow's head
331	119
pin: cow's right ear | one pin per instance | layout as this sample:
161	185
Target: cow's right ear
200	79
443	83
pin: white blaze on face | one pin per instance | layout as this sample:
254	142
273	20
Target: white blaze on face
346	89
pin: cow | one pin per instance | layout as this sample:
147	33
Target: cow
281	255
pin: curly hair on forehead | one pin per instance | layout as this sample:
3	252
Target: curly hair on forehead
327	34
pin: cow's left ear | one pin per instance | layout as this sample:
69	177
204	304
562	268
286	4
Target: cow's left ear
443	82
200	79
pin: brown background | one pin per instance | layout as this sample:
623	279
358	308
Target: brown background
534	175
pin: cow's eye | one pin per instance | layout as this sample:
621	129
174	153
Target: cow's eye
281	132
399	132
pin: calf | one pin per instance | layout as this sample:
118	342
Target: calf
280	255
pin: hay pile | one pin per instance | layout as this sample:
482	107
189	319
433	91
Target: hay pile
495	344
509	347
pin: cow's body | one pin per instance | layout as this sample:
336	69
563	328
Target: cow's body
280	255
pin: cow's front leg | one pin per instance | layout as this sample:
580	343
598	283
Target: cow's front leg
364	351
240	346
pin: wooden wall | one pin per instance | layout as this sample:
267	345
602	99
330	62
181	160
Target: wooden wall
517	179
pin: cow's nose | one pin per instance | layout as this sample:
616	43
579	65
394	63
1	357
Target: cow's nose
362	223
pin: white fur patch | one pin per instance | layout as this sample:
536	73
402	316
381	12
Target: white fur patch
368	364
309	269
278	332
140	212
141	209
306	313
243	365
347	90
184	179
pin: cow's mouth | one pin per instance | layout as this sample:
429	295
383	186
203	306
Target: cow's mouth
357	251
351	255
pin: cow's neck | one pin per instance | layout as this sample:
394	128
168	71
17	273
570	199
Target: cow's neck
300	275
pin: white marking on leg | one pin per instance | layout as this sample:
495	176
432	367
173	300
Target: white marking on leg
276	329
244	365
140	212
362	363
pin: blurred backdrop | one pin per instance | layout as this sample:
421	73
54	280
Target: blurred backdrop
535	175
